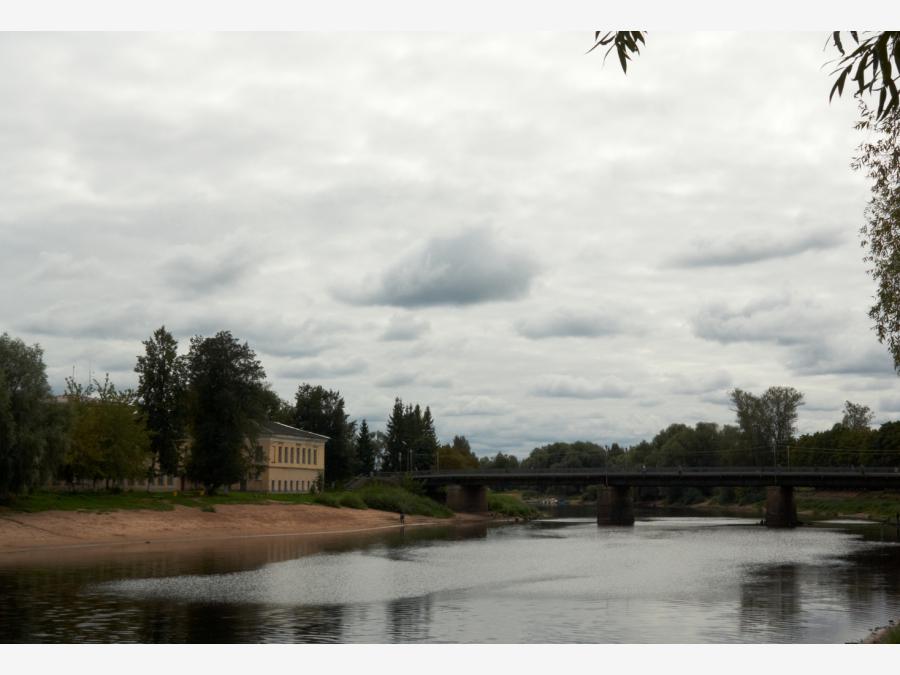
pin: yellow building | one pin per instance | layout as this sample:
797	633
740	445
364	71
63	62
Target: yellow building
294	459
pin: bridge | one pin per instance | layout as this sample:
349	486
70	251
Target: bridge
466	490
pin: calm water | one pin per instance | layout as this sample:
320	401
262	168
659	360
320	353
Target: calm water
674	579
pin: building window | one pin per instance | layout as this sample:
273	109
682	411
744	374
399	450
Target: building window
292	455
315	456
170	481
279	454
273	485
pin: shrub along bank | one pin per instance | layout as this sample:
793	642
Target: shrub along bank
510	505
382	497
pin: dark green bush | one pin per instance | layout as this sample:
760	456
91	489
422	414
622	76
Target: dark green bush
328	499
396	499
511	506
353	501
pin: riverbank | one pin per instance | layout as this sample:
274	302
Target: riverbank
45	530
885	635
812	505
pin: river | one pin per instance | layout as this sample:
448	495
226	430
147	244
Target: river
672	579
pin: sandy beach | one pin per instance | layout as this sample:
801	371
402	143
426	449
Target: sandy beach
50	530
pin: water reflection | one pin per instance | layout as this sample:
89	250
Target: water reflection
561	580
770	603
409	619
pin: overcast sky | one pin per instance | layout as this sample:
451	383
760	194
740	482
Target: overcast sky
498	226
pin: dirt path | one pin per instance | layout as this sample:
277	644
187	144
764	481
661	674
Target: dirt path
77	529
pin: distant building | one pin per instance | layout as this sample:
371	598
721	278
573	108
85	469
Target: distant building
293	459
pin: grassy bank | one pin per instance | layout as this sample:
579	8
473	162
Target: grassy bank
385	498
811	505
382	497
891	636
510	505
872	505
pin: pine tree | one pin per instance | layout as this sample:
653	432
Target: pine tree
365	450
429	443
162	388
394	446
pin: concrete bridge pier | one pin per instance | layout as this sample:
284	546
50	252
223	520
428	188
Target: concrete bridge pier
615	506
781	511
467	498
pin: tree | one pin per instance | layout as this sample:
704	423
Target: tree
365	450
869	63
768	421
499	461
879	157
162	389
226	402
457	455
426	449
857	416
395	441
277	409
108	440
32	425
321	411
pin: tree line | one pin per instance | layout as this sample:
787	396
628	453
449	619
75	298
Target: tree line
196	415
764	434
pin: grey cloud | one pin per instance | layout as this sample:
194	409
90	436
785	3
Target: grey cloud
650	402
777	320
401	379
402	328
465	269
567	324
395	380
889	404
846	359
316	368
86	320
816	405
577	387
743	249
475	406
700	384
196	270
280	336
716	398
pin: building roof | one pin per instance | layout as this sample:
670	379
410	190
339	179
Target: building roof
269	428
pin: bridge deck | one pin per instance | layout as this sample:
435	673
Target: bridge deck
871	478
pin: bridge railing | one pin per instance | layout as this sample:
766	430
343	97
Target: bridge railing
649	471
